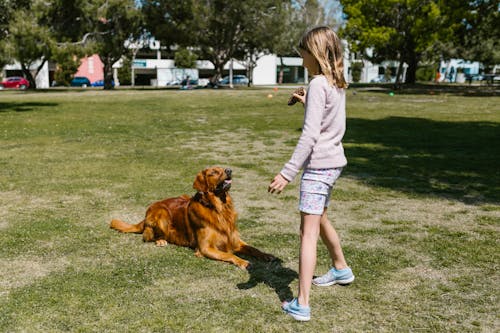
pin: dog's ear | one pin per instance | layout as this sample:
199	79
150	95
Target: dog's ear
200	183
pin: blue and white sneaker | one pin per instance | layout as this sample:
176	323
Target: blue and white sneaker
334	276
297	311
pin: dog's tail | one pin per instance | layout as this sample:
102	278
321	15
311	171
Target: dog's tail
125	227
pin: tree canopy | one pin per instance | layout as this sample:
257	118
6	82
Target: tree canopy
411	31
402	30
477	30
408	31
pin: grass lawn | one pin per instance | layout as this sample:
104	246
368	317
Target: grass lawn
417	208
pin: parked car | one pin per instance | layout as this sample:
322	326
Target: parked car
80	81
174	82
237	80
203	82
100	83
382	79
16	82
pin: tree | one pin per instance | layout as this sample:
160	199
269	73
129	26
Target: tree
220	29
36	31
29	43
477	32
113	22
271	32
402	30
67	59
292	27
7	10
170	22
217	30
125	71
303	15
68	21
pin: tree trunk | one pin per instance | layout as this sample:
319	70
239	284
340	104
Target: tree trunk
398	74
218	67
411	72
108	73
28	76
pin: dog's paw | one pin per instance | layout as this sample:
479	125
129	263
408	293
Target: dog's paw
161	242
248	267
243	264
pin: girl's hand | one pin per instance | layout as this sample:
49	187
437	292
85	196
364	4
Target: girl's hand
299	95
301	98
277	184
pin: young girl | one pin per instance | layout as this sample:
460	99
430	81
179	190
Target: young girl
320	153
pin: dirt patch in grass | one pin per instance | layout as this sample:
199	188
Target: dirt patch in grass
15	273
14	203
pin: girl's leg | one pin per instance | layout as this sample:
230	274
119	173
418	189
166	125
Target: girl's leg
331	239
309	234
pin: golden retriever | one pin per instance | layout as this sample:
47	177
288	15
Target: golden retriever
205	222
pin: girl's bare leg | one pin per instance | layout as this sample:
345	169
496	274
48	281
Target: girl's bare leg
331	239
309	234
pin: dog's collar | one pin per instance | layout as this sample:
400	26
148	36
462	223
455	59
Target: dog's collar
199	197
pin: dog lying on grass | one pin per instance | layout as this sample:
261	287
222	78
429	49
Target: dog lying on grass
205	222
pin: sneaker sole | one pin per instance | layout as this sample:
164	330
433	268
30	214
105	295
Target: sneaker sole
298	317
341	282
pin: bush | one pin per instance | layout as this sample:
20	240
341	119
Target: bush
125	72
68	61
356	69
426	73
184	59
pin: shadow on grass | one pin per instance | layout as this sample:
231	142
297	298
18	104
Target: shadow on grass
457	160
477	90
272	274
24	106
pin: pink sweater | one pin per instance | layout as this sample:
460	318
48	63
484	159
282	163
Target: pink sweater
320	144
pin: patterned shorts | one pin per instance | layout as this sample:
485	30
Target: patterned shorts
315	189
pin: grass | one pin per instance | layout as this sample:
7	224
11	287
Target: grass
417	209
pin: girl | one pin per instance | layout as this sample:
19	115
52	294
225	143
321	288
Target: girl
320	153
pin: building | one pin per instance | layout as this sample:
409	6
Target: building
456	70
152	70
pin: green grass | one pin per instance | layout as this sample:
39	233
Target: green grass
417	209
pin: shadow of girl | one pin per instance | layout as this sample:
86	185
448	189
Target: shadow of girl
272	274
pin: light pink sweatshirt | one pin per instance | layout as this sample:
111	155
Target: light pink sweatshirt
320	144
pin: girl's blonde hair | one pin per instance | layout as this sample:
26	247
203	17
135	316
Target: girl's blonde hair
325	46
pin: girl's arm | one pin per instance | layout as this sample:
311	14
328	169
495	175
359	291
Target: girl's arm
311	129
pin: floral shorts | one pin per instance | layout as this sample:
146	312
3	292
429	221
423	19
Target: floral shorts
315	189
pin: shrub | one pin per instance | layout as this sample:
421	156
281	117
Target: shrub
426	73
184	58
356	69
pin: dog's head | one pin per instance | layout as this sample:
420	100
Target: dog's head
214	179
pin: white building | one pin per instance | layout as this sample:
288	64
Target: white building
455	70
270	70
42	79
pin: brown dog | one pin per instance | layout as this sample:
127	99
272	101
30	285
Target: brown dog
205	222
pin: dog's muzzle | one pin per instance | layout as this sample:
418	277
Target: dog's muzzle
226	184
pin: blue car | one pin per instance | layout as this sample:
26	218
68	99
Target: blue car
100	83
80	81
237	80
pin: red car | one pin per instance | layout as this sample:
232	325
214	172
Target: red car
17	82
